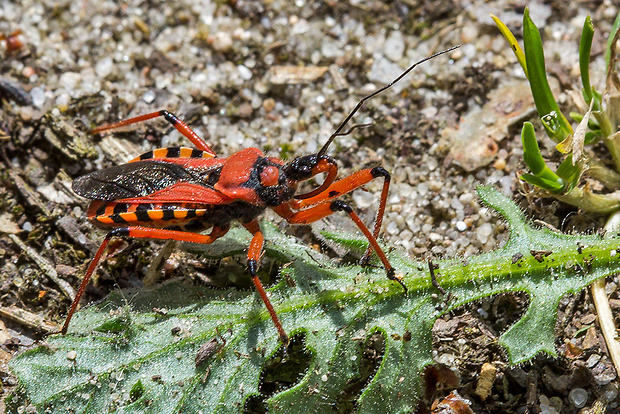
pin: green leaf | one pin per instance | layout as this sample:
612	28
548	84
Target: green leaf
148	366
612	35
585	46
542	176
556	125
512	41
569	173
554	187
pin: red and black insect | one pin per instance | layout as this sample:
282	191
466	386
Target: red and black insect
174	193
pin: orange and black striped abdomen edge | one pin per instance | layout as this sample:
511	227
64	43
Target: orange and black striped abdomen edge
172	152
169	215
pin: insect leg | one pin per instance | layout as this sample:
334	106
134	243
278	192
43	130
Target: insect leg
315	213
180	126
349	184
254	255
138	233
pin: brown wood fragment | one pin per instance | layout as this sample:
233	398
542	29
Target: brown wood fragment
487	375
29	319
293	75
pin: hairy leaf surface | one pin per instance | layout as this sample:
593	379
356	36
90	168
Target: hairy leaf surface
136	355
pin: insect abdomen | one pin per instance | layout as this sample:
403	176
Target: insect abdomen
181	216
173	152
166	215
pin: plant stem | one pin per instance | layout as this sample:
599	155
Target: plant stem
591	202
601	302
612	142
606	176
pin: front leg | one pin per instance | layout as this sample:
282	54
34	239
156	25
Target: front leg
312	214
348	184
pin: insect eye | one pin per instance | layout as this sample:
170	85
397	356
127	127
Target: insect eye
300	168
269	176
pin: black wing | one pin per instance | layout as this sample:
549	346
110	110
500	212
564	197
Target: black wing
135	179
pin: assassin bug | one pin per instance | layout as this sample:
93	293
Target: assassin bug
174	193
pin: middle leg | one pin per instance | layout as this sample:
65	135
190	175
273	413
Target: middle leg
254	255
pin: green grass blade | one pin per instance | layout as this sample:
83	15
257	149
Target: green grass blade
611	37
554	121
542	176
585	47
512	41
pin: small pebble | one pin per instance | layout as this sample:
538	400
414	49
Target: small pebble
244	110
363	199
499	164
71	355
593	360
456	55
469	33
269	104
578	397
430	111
62	102
244	72
70	81
435	237
461	225
222	42
446	359
466	198
241	34
26	112
547	409
610	12
605	375
38	96
484	232
28	72
104	67
610	392
394	46
148	97
392	228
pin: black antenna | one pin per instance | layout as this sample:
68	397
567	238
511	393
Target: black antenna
336	133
